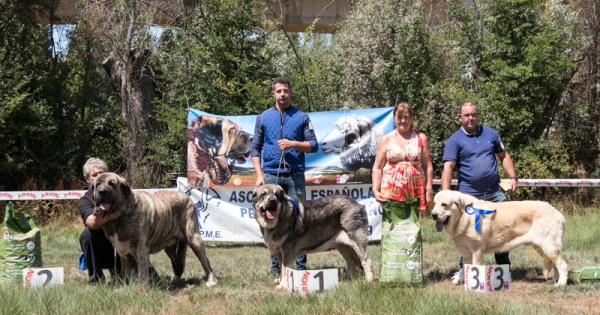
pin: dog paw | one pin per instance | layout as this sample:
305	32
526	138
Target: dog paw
458	277
281	287
210	284
276	281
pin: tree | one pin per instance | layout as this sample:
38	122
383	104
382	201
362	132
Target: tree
123	30
218	61
36	124
521	56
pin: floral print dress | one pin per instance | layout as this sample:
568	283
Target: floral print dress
403	176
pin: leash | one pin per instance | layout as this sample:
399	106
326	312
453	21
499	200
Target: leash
282	161
470	210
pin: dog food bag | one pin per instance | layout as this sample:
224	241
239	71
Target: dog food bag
401	243
20	246
590	274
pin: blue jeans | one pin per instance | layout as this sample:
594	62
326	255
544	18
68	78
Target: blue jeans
294	184
499	196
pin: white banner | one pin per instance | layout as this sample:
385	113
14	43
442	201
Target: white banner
62	194
225	213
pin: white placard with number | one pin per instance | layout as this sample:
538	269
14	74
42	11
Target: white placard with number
304	282
42	277
488	278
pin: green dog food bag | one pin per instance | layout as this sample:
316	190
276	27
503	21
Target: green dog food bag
20	246
401	243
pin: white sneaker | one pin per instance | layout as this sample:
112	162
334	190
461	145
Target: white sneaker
458	278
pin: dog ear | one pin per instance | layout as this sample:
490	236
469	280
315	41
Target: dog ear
125	189
364	126
283	197
254	195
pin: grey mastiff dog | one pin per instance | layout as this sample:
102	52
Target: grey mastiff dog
292	227
139	225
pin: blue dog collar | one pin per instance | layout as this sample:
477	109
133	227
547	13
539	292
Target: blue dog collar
294	205
470	210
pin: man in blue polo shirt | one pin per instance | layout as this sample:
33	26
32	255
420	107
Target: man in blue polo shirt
473	150
283	135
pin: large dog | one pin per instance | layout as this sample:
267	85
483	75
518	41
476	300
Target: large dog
139	225
214	145
514	223
292	227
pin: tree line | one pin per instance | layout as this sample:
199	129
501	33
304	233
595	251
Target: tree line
121	91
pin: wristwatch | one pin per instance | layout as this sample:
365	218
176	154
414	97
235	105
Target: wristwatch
515	178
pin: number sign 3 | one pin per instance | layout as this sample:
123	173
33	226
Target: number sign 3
488	278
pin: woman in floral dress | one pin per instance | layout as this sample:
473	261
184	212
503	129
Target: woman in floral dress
403	168
402	183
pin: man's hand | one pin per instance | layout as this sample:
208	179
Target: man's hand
285	144
260	180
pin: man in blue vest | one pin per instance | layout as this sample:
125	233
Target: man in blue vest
282	135
473	150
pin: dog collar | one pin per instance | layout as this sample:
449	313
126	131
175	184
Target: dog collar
470	210
294	205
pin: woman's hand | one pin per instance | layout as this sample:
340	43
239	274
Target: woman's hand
429	197
379	197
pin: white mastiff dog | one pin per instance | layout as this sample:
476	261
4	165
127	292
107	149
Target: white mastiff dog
513	223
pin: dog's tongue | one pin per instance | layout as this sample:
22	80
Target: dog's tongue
439	226
270	214
104	206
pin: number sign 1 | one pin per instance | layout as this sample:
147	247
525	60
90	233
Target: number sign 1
42	277
488	278
304	282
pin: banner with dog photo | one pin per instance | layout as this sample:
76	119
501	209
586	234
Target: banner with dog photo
221	178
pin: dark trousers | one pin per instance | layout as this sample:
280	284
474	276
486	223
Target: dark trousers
501	259
99	254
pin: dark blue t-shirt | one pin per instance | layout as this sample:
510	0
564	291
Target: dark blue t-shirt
475	158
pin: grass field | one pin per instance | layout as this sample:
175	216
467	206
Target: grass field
245	288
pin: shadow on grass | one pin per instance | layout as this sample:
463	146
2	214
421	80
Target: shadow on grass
163	283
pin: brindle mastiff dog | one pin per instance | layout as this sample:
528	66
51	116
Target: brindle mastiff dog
140	225
313	226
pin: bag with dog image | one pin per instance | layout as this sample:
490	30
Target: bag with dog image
20	246
401	243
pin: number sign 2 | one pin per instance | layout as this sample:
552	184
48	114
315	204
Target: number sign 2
488	278
42	277
305	282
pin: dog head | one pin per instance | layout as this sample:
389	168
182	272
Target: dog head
220	143
109	191
355	141
448	208
269	203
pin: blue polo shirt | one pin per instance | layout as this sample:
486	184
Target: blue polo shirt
475	158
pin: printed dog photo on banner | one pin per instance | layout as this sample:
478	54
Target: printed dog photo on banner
215	145
354	139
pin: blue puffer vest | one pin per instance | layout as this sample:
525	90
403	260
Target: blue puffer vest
293	129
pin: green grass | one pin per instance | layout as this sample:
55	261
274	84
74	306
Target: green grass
245	288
